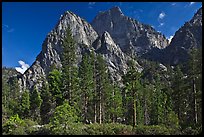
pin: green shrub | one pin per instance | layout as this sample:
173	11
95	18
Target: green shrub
151	130
29	126
172	120
14	126
44	130
64	119
190	131
107	129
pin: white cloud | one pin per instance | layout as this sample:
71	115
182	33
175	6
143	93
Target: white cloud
191	3
92	3
10	30
161	24
23	67
160	18
162	15
173	4
7	28
170	38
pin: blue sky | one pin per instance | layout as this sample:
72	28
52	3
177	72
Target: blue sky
25	25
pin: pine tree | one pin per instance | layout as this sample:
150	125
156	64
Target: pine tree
25	104
35	101
70	79
86	85
55	86
48	103
14	96
114	104
103	84
94	100
195	78
132	85
5	99
179	95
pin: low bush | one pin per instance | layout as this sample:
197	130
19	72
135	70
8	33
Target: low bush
190	131
107	129
14	126
151	130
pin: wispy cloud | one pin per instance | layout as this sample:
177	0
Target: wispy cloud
91	5
23	67
162	15
160	18
7	28
173	4
161	24
191	3
136	13
10	30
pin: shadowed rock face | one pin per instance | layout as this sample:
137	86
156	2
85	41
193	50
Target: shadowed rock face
186	38
129	34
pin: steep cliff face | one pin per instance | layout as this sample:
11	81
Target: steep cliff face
86	39
115	58
82	33
186	38
132	36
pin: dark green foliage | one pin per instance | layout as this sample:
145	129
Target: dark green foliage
63	116
108	129
102	88
35	103
17	126
114	104
86	86
70	79
14	126
48	103
151	130
132	87
14	96
25	104
155	101
55	85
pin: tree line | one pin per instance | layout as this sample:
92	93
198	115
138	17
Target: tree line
171	97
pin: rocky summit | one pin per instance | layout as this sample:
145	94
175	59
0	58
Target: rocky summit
187	37
130	35
116	37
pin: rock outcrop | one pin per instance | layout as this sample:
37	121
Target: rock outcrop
132	36
83	34
187	37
